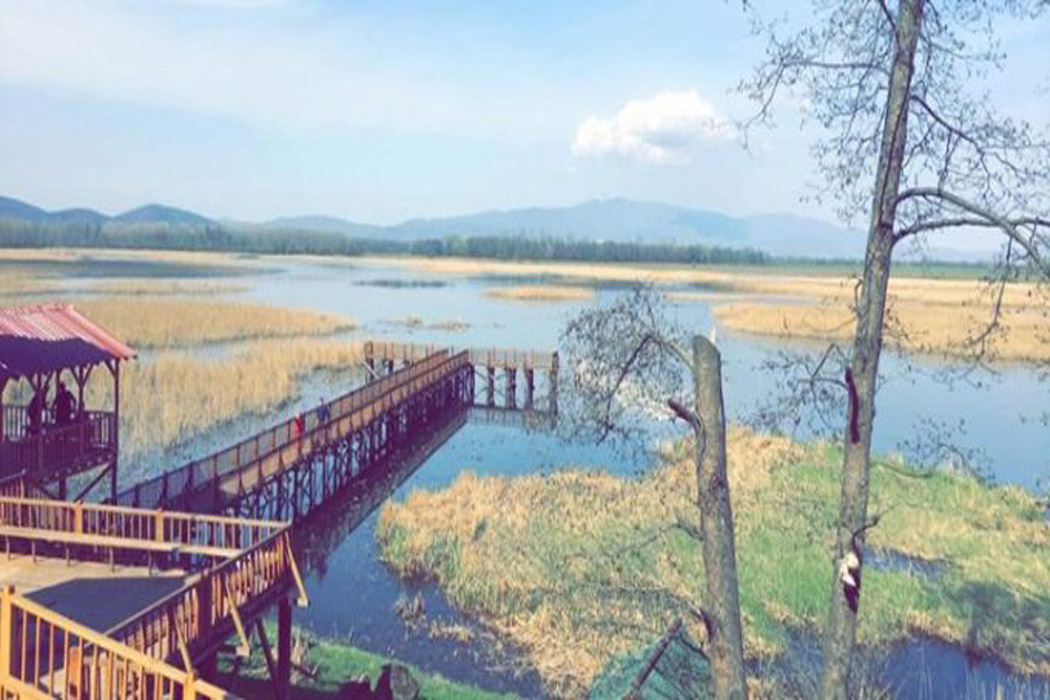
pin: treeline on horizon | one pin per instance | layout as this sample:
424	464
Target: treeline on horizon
18	233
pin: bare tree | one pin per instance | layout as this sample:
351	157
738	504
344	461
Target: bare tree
891	84
629	356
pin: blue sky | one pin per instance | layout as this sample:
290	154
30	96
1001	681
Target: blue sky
382	111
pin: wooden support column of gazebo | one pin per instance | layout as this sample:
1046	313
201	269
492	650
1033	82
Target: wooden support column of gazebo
45	442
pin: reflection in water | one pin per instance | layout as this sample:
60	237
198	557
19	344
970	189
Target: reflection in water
353	596
923	668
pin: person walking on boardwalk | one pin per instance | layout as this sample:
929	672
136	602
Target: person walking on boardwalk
64	406
300	427
323	412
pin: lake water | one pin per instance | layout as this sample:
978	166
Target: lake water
353	595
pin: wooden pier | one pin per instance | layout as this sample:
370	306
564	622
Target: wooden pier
206	547
287	471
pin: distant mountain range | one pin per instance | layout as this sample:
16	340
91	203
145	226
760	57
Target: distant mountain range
621	220
150	214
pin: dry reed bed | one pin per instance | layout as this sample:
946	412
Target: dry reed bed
541	293
78	254
913	324
174	396
146	286
165	323
584	272
578	568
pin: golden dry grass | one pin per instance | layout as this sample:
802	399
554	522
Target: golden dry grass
541	293
586	272
145	286
916	326
174	395
17	282
500	527
577	568
75	254
165	323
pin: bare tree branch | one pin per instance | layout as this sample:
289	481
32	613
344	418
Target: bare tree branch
1030	244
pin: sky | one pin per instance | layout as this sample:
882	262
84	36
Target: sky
383	111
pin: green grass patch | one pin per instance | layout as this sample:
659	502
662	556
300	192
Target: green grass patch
336	663
578	568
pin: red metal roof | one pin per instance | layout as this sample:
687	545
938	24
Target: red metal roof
49	337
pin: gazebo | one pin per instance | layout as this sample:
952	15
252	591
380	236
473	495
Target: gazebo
50	434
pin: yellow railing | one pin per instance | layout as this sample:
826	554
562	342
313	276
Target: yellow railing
130	528
216	601
44	655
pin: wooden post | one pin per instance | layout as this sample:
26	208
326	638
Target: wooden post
554	384
490	397
114	368
370	361
6	625
3	414
208	668
512	386
530	385
284	647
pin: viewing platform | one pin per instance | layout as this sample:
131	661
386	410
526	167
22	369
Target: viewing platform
51	434
107	602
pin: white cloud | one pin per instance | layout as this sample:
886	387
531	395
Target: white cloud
666	128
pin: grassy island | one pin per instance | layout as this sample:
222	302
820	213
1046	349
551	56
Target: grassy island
579	567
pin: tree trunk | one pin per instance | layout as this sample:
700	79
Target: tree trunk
841	631
716	527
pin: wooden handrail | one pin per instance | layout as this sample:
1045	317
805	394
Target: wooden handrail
251	454
130	528
212	600
479	357
339	427
59	657
58	448
234	458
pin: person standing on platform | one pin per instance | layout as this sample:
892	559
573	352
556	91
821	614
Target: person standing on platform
35	409
64	406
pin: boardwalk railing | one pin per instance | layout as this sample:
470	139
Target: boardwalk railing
46	655
221	601
55	449
500	358
116	527
507	358
284	439
378	401
392	350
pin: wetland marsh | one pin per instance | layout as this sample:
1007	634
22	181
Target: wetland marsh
232	344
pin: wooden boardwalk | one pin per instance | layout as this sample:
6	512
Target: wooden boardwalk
207	546
287	471
117	602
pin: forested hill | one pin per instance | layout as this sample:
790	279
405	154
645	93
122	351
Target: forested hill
212	236
612	224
